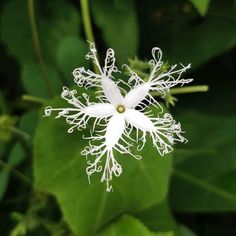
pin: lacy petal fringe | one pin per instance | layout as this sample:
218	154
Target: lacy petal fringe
118	113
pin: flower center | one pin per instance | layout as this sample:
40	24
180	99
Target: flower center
120	108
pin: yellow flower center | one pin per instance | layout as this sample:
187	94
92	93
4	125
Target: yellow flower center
120	108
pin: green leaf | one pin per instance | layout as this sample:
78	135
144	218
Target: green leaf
54	19
204	180
119	28
158	217
201	6
28	122
16	156
33	80
59	168
129	226
184	231
4	179
184	37
70	55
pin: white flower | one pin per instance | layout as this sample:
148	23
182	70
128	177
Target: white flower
115	115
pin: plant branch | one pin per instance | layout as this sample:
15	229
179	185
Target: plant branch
187	89
87	25
17	173
24	136
34	99
190	89
86	20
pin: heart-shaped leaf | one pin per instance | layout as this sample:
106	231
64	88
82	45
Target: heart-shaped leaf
203	177
59	169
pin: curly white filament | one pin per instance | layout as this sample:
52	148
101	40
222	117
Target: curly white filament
115	115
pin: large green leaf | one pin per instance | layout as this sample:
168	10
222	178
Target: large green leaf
183	35
205	39
54	19
119	28
28	122
204	178
59	168
158	217
33	80
70	55
129	226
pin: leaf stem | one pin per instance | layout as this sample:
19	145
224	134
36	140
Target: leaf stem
23	137
187	89
37	47
190	89
87	25
34	99
21	134
199	183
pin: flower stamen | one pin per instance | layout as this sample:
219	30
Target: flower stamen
120	108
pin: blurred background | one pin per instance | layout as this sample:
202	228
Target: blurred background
41	42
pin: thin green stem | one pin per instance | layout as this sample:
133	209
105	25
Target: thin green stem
34	99
26	180
87	25
21	134
23	137
204	185
86	20
187	89
37	47
190	89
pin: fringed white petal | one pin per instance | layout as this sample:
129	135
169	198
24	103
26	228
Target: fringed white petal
114	130
139	120
136	95
99	110
114	135
111	91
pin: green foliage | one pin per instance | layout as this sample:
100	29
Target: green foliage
55	20
16	156
158	217
6	124
204	177
119	28
130	226
33	82
203	173
60	169
193	40
70	55
201	5
185	231
28	122
27	125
